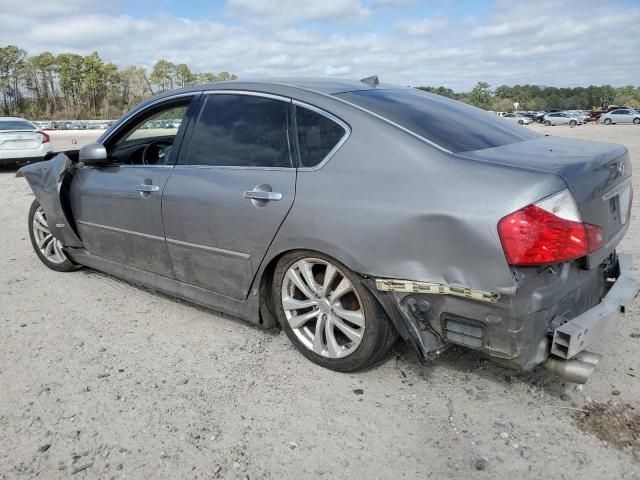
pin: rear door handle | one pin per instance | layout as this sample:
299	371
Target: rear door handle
147	188
265	196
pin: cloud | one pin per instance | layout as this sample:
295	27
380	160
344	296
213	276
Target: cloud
427	26
286	12
552	43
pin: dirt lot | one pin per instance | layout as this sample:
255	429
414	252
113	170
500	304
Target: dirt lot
100	379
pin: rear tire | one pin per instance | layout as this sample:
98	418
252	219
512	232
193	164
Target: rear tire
607	121
47	247
328	314
547	123
636	121
572	123
520	122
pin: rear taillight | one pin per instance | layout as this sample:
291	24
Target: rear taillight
45	137
549	231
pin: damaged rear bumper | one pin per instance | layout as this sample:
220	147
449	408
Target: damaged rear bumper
576	335
555	314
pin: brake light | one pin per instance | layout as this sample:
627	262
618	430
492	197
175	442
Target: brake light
549	231
45	137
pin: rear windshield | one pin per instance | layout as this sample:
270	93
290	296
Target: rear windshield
16	125
453	125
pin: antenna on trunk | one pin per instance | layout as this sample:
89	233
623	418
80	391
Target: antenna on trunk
372	80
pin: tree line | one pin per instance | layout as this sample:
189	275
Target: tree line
541	98
69	86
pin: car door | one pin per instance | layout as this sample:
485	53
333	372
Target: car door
230	190
117	207
617	116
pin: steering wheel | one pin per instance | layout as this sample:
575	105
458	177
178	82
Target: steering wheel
161	148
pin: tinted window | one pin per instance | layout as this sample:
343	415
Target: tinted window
317	136
16	125
453	125
241	130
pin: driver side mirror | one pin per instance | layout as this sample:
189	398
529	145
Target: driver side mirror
93	154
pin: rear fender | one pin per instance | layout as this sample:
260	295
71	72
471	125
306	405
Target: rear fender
49	181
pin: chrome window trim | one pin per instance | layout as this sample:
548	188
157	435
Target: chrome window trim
345	126
124	165
125	120
249	93
231	167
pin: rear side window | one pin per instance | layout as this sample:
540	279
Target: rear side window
241	131
16	125
318	135
453	125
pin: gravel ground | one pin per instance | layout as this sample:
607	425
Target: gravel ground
100	379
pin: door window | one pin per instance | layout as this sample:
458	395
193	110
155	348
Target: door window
150	139
241	131
318	135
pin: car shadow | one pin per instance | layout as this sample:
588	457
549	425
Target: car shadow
467	364
458	361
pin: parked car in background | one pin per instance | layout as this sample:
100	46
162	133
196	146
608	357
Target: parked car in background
620	115
21	141
519	119
579	114
276	201
560	118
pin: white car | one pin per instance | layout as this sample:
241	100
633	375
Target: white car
620	115
560	118
517	118
21	141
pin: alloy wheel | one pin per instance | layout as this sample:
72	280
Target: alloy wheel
49	246
322	308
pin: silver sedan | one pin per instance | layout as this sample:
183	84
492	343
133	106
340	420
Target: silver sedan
517	118
561	118
621	115
351	213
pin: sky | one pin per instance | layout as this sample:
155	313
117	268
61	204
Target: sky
409	42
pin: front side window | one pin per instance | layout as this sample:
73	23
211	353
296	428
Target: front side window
318	135
150	140
241	131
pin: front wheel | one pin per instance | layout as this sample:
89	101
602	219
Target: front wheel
573	123
547	123
607	121
328	314
520	122
47	247
636	121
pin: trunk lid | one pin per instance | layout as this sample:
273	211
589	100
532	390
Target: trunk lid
20	140
598	175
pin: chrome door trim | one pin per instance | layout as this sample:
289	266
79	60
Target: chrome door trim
120	230
207	249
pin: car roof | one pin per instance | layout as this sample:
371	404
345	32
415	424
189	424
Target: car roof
14	118
323	85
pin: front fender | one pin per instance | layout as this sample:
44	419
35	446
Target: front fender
49	181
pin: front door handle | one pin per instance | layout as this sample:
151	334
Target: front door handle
264	196
147	188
